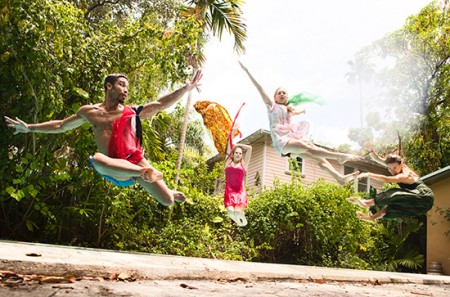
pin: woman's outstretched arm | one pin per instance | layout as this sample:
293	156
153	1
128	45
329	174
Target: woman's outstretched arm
261	91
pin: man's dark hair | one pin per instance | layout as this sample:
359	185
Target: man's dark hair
112	78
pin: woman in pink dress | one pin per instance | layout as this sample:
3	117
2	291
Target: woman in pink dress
235	197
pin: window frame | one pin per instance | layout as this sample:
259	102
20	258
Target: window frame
290	171
358	182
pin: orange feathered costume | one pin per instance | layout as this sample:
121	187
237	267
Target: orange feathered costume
218	121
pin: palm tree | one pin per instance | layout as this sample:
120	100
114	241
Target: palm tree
361	71
215	15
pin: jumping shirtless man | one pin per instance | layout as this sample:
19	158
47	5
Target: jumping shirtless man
116	129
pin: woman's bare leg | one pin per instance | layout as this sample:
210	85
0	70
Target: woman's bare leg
325	165
366	217
230	212
237	214
240	216
362	203
299	147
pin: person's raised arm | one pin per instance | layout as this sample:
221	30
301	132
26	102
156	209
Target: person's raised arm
297	111
260	89
404	177
247	151
168	100
54	126
373	155
228	156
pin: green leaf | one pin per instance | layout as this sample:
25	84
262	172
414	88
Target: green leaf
31	225
32	191
75	107
217	219
10	190
86	126
19	168
82	93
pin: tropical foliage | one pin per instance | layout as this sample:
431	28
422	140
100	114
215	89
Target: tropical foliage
415	100
54	59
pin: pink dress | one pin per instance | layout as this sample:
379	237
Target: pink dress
235	194
281	128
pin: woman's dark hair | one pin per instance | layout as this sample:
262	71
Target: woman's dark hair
112	78
393	158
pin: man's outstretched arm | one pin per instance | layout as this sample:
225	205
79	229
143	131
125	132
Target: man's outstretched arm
55	126
168	100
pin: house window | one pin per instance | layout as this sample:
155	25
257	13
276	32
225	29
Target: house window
362	184
294	165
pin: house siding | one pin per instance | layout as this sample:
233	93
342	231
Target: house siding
313	172
275	168
255	166
438	243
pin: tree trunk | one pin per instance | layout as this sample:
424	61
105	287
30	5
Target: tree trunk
183	137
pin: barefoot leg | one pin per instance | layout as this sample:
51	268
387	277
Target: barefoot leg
348	157
347	178
357	201
179	196
364	217
159	191
150	174
241	219
232	214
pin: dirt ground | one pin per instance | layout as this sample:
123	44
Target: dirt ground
223	288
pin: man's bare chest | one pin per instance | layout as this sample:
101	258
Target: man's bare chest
101	119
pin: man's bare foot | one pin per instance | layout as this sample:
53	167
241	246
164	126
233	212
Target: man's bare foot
357	201
348	178
178	196
150	174
364	217
348	157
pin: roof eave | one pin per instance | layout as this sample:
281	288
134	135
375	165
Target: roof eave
437	176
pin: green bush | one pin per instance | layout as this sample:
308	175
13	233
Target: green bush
307	224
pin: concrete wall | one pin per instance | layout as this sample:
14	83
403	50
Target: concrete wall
438	244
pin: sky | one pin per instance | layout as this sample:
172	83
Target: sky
303	46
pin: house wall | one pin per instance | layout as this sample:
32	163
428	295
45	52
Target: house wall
313	172
275	168
255	166
438	244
